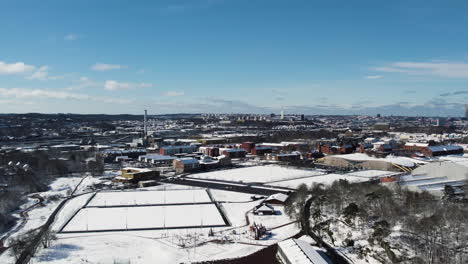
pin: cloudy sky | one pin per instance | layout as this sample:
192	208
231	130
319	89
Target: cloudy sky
402	57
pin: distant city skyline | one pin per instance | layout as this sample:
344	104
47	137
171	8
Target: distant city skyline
234	56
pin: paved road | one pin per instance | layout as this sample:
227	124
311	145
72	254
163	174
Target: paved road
227	186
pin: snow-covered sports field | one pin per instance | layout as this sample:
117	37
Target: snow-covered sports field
127	198
145	217
261	174
140	210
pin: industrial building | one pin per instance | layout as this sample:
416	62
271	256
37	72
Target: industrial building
209	151
157	159
184	165
434	176
135	175
248	146
363	161
233	153
261	151
110	154
434	151
284	157
172	150
332	149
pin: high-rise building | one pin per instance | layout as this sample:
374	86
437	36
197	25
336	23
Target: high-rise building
466	111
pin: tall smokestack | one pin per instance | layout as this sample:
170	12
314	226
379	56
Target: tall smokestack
145	128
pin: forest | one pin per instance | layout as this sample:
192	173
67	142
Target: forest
387	223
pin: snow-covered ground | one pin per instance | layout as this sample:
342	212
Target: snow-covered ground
261	174
230	196
149	197
122	218
57	191
167	246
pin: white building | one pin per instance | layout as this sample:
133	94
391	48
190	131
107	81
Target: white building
295	251
435	175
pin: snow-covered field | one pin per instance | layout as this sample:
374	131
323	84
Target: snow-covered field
57	191
165	245
261	174
124	218
122	198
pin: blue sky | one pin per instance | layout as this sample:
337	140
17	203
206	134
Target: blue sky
405	57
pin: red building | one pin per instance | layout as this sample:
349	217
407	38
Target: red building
234	153
248	146
261	151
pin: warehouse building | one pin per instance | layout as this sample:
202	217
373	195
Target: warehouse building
434	151
434	176
363	161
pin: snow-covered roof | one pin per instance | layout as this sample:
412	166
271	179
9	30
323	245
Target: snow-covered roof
445	148
263	148
136	169
277	196
188	160
234	150
265	208
179	147
402	161
300	252
460	160
158	157
416	144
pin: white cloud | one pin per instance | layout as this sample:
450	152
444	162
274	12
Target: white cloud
83	82
43	74
71	37
173	93
107	67
374	77
54	94
15	68
112	85
434	68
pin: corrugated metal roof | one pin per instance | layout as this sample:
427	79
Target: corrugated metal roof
300	252
445	148
158	157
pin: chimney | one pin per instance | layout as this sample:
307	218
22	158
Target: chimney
145	129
